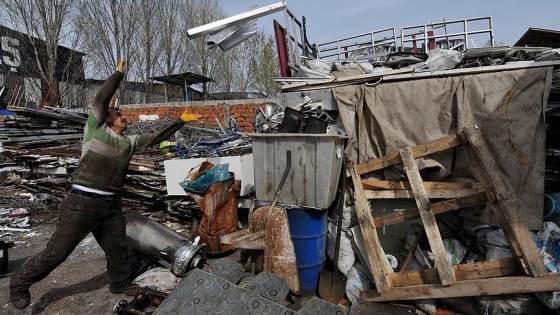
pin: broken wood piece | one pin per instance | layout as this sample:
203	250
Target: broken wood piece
490	286
255	243
417	151
245	239
230	238
477	270
375	254
504	204
437	208
443	265
411	251
313	83
432	194
396	185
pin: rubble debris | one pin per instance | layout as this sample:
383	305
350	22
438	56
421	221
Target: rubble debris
213	287
41	149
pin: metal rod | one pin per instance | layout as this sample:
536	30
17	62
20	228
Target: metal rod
283	180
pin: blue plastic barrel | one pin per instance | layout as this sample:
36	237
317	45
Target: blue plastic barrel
309	235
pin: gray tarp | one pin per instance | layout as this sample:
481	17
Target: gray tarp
507	106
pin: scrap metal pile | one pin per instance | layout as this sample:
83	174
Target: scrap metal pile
40	149
196	140
435	59
308	117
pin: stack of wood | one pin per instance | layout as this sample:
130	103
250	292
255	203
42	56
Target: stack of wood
524	273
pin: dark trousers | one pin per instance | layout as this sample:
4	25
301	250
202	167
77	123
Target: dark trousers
78	216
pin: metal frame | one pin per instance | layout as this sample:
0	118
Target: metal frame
296	38
423	38
376	42
426	34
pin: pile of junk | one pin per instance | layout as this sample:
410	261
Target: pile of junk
265	257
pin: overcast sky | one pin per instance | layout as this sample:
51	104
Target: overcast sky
330	19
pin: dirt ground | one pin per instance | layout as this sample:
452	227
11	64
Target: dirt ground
78	286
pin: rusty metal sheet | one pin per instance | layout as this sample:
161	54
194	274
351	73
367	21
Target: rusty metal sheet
280	256
219	208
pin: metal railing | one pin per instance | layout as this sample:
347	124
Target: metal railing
455	34
298	45
376	42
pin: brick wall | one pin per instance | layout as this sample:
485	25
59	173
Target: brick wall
243	111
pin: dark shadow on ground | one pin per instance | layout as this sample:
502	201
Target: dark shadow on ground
53	295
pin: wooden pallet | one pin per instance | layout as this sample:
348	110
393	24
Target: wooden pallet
525	272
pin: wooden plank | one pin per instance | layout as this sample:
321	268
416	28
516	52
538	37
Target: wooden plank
443	265
489	191
505	205
417	151
437	208
478	270
376	255
469	71
432	194
311	84
478	287
411	250
387	184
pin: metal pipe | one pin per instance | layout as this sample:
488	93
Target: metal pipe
158	242
240	18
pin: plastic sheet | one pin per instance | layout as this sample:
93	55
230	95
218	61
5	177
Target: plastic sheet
218	173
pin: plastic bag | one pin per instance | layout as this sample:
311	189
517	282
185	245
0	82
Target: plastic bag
357	280
547	241
455	250
161	278
218	173
346	257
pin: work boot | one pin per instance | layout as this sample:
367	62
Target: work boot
127	288
20	300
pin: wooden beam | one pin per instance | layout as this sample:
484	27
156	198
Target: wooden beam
411	251
437	208
443	265
386	184
478	287
504	205
417	151
309	84
478	270
432	194
375	254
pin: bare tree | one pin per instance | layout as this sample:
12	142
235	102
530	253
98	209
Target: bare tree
250	66
149	36
202	60
173	43
265	66
108	35
228	68
45	22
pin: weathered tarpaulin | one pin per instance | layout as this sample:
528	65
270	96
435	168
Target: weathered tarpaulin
508	107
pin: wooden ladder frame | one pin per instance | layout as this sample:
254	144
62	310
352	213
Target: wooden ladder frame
525	272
